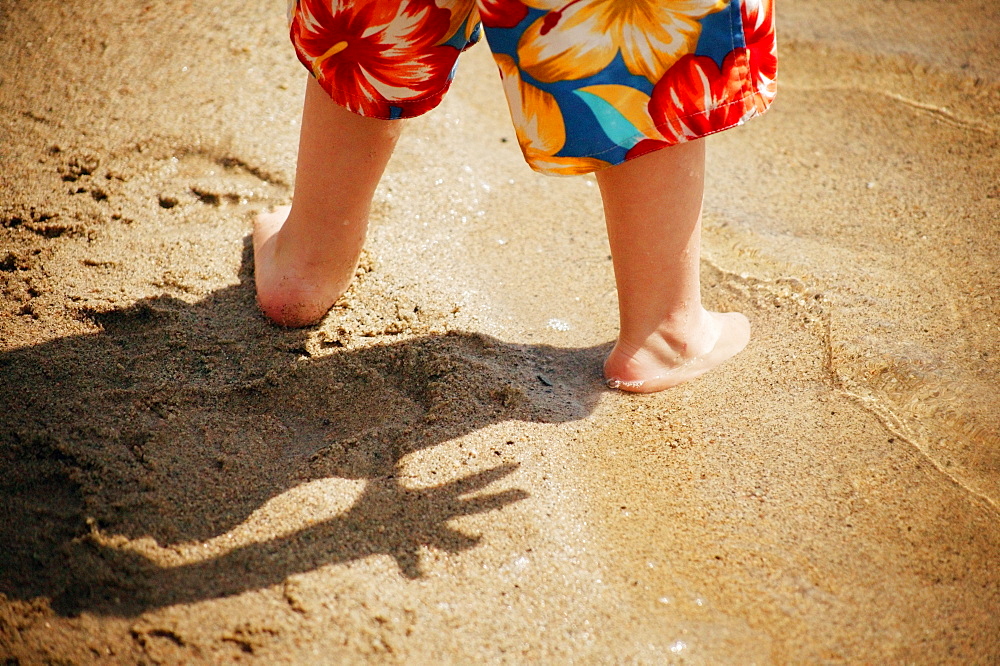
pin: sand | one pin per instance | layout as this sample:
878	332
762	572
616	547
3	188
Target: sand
435	473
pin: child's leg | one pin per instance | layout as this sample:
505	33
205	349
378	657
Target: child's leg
305	257
653	209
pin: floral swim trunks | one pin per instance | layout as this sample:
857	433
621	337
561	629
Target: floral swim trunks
590	83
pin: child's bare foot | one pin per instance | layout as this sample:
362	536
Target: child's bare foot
306	256
297	282
652	205
663	361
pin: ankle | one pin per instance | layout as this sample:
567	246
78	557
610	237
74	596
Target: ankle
662	359
683	332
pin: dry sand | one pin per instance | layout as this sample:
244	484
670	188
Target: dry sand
435	473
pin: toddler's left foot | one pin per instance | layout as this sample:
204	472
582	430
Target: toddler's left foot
664	361
298	280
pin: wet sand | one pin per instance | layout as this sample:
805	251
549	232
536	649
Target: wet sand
435	473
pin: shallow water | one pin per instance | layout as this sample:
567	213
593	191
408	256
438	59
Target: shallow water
895	225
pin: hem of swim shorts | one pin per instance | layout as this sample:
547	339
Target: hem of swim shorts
423	104
752	91
751	111
411	108
355	104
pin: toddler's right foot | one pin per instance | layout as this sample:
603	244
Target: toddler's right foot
662	361
298	278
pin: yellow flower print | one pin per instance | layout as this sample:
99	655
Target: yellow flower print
537	119
579	38
462	11
539	125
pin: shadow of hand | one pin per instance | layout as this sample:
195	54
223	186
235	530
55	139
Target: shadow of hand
386	519
177	421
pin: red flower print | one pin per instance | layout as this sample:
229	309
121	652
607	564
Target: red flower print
370	55
758	27
502	13
696	98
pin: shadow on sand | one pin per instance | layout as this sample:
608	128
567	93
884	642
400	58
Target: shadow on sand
177	421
